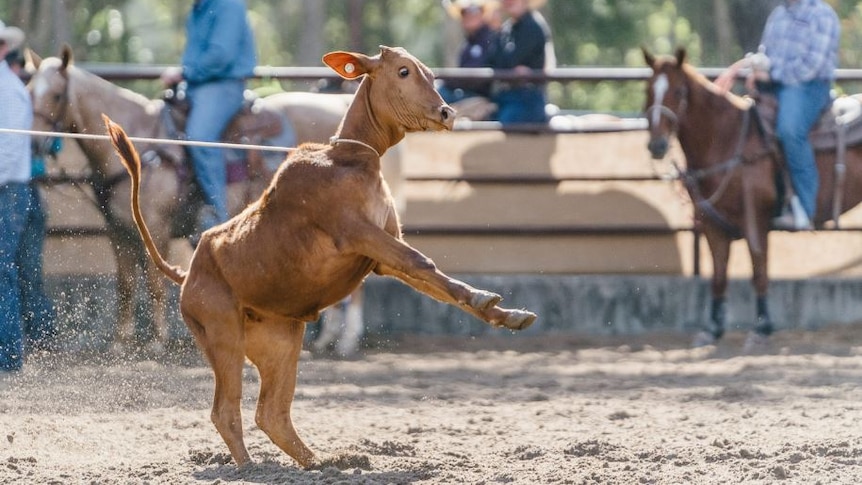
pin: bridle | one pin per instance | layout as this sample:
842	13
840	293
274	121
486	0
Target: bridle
692	178
56	121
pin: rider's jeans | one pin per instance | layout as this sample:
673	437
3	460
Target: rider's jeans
799	108
213	104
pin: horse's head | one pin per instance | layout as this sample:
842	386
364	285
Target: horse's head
49	88
666	99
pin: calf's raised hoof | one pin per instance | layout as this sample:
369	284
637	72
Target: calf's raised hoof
518	319
483	300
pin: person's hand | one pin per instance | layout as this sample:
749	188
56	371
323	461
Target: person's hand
171	76
523	70
725	80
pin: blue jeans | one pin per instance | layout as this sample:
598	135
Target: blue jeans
14	201
799	108
37	310
521	105
213	104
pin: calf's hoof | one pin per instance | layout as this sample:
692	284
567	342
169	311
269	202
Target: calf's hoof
483	300
518	319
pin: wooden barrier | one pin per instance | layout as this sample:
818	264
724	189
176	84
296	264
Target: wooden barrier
502	202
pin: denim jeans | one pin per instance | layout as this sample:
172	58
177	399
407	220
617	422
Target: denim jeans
521	105
37	310
14	201
799	108
213	104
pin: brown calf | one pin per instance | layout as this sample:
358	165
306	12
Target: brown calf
325	222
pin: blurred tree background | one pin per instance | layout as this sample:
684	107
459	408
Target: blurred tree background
298	32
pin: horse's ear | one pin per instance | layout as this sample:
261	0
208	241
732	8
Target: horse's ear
349	65
31	59
680	56
648	57
65	57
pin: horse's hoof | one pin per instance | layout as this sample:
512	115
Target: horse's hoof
703	339
156	348
117	349
755	343
520	319
483	300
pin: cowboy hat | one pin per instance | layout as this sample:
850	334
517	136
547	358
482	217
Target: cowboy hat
455	7
11	36
536	4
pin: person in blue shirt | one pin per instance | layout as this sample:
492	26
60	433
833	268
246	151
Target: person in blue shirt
796	62
219	56
480	39
20	256
525	46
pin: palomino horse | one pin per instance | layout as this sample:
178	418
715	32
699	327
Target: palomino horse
731	175
67	98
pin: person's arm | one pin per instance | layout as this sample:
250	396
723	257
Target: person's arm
14	148
758	70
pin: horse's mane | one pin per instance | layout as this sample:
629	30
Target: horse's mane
693	74
107	88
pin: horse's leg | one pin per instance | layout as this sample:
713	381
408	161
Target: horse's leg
348	344
330	327
342	324
127	269
274	347
719	247
760	280
157	286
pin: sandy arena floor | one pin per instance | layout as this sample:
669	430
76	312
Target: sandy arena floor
508	410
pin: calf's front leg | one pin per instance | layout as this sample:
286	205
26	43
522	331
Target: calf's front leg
395	258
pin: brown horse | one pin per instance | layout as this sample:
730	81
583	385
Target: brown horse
70	99
731	174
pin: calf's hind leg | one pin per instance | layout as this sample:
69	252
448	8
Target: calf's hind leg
211	314
273	346
224	353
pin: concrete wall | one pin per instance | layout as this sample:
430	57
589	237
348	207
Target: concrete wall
567	305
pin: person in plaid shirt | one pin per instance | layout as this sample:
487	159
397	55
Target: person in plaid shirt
796	62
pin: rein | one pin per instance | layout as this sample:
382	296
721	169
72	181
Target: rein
693	178
63	102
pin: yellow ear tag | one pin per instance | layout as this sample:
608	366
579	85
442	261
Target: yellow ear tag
349	68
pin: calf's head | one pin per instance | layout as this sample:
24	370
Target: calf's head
398	89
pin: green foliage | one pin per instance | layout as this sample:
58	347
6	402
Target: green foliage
586	33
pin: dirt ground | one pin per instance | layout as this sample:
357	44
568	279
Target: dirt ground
557	409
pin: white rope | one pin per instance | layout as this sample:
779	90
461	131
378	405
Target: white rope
162	141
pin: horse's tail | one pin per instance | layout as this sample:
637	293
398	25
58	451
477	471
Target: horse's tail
132	162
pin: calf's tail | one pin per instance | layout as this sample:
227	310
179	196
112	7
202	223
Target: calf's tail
132	162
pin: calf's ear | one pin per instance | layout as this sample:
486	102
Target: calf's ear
350	65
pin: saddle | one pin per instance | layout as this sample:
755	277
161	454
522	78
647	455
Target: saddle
839	126
251	125
254	124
